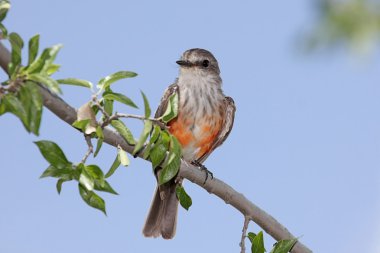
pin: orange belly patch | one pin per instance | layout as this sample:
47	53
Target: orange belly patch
180	130
199	141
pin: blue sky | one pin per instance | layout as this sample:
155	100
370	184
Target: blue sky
305	144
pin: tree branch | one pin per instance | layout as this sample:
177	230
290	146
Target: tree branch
270	225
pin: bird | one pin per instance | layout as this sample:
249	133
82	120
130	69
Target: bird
204	121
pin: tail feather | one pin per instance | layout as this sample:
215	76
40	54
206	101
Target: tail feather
152	222
162	215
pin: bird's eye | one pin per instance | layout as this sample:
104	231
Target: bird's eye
205	63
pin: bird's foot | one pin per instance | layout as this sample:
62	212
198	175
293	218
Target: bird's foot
203	168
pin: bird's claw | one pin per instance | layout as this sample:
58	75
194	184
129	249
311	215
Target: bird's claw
203	168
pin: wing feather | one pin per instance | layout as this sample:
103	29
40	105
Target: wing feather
165	99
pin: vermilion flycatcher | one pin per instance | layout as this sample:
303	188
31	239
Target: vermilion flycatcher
205	119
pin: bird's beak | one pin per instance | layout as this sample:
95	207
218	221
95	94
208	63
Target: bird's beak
184	63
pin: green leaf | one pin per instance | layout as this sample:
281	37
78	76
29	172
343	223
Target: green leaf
92	199
105	188
51	57
31	99
172	164
66	173
17	44
123	131
284	246
45	80
113	168
251	236
165	139
87	180
45	61
59	184
12	104
258	243
171	109
3	30
3	109
16	39
169	170
38	63
175	146
120	98
147	150
78	168
98	146
153	138
95	108
81	124
99	133
157	154
96	173
146	105
76	82
33	48
51	171
53	154
123	157
155	134
27	106
144	136
108	80
4	8
52	69
108	106
183	197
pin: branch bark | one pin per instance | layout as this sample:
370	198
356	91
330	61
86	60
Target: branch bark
217	187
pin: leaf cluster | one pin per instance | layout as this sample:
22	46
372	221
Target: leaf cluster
351	23
20	94
90	178
257	241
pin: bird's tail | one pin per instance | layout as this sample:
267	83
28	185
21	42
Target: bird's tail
162	216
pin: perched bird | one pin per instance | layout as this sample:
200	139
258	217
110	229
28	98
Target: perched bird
205	119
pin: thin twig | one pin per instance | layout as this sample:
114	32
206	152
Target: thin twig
244	234
108	118
116	116
133	116
89	150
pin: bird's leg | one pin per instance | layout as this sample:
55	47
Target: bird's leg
202	167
